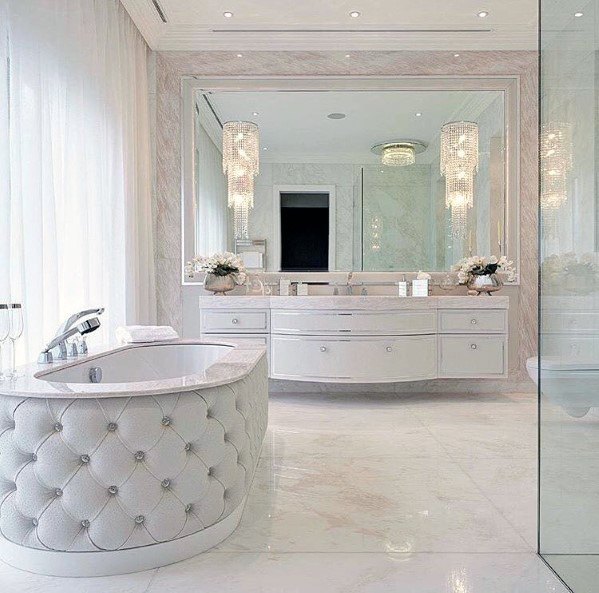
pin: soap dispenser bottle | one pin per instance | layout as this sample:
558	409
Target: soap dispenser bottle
402	287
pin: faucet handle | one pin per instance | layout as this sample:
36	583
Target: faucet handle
72	350
82	346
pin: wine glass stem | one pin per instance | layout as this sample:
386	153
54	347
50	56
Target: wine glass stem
12	357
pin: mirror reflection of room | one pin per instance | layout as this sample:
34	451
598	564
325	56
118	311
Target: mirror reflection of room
353	180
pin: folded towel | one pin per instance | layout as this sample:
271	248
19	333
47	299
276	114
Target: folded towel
130	334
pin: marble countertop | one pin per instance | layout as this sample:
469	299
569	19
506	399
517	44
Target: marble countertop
366	303
232	366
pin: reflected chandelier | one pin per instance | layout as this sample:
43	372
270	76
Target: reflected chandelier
241	164
459	164
556	164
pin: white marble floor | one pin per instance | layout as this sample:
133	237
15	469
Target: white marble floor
368	494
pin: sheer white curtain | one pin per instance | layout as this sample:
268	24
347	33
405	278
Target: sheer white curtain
75	198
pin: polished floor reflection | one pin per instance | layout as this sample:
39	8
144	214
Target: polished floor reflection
426	494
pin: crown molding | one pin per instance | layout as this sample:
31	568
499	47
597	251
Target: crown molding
147	20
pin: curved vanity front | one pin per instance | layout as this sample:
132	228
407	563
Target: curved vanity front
114	477
368	339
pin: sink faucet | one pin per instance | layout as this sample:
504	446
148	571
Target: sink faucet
57	347
350	284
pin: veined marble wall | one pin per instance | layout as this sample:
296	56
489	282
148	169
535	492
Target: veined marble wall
171	66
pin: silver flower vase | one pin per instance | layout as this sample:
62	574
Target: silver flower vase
219	285
487	283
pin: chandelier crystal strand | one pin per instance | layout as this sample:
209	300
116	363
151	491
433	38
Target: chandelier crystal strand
556	165
241	164
459	164
398	155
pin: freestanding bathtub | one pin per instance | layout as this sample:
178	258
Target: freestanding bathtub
130	459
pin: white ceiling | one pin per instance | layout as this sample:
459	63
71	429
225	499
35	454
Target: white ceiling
294	126
317	25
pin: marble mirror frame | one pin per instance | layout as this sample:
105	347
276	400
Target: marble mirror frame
508	85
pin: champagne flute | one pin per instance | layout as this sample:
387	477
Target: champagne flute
4	331
14	333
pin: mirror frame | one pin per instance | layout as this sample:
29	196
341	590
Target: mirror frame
509	85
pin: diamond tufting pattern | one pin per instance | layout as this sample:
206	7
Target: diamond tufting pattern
123	472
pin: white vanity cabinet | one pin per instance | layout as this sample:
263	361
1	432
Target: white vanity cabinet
367	339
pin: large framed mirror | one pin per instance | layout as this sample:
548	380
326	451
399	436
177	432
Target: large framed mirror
356	174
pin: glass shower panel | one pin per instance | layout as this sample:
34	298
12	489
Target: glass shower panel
569	318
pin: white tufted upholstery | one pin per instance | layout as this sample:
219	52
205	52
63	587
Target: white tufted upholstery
116	473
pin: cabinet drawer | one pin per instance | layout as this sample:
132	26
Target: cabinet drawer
354	322
473	320
472	356
368	360
219	321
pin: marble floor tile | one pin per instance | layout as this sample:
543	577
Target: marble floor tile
13	580
358	573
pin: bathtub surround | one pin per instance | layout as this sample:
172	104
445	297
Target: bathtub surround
148	467
75	165
173	299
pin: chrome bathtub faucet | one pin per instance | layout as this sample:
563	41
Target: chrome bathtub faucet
57	347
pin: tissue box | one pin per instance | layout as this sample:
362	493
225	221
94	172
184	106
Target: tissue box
420	288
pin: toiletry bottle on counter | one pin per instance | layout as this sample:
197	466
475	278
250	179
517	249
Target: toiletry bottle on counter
402	287
284	286
302	289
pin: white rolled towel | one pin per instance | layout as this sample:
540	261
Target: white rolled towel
131	334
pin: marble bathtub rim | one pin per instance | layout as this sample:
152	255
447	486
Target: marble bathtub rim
234	365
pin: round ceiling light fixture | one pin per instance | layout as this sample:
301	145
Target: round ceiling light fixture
578	14
228	14
354	14
399	153
336	116
483	14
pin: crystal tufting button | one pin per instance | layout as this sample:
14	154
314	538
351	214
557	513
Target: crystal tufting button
85	523
165	483
58	492
34	522
210	471
84	459
112	426
188	508
166	421
140	519
33	457
188	446
57	427
112	489
140	455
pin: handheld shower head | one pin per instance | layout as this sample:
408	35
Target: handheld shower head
88	326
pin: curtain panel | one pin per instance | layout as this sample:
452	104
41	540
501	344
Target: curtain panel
75	179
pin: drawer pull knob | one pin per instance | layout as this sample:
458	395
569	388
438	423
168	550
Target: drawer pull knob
234	321
473	346
473	321
323	348
389	349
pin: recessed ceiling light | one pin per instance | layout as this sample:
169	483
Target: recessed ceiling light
227	14
240	55
456	55
354	14
264	148
418	114
578	14
483	14
348	55
336	115
255	113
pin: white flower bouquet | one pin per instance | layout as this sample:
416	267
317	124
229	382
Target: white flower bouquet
478	265
219	264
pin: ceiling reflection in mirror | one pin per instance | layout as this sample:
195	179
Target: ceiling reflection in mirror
353	180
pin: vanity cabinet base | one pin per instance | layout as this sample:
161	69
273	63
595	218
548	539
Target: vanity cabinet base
355	359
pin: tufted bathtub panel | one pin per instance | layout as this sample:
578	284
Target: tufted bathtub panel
121	472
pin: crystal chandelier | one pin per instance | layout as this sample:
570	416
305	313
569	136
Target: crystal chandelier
556	164
459	164
241	164
398	155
